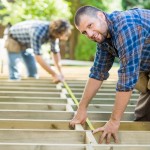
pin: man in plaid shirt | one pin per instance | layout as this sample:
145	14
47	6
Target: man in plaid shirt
32	34
125	35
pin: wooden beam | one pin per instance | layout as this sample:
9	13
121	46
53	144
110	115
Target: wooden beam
101	90
122	147
43	115
124	125
90	138
102	95
57	115
130	137
42	136
104	107
32	106
16	99
19	84
108	101
106	115
33	89
37	146
30	94
34	124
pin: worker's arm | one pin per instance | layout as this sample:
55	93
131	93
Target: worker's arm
90	90
45	66
112	126
57	62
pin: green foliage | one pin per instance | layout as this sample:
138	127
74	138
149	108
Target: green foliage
36	9
85	49
127	4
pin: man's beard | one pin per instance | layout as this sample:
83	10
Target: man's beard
103	37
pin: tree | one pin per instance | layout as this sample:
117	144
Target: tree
127	4
35	9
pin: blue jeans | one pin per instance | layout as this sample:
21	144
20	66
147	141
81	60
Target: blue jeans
15	62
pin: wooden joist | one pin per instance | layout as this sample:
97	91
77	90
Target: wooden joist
103	95
32	106
33	89
104	107
30	94
34	124
124	125
25	146
16	99
35	116
56	115
42	136
130	137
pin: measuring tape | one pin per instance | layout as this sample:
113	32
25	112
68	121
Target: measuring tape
77	103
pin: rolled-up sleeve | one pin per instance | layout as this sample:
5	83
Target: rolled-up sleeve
102	63
130	41
54	44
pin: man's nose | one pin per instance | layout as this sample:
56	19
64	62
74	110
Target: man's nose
89	34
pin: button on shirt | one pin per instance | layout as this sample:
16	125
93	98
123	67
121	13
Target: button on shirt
130	41
33	34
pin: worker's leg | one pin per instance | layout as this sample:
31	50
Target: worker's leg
28	57
142	110
14	65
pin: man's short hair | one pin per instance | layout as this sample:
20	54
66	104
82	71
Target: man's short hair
87	10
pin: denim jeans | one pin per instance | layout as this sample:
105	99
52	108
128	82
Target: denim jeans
15	60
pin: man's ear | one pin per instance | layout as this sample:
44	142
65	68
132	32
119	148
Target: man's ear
100	15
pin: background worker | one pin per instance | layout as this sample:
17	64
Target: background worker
32	34
123	34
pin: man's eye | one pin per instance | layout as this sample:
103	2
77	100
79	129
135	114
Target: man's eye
89	26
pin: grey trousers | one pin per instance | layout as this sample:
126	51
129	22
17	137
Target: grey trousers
142	110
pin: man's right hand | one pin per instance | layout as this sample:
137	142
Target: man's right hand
58	78
80	117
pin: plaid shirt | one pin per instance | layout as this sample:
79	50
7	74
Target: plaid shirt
130	41
33	34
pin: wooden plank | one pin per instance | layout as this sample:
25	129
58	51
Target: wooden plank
108	101
32	106
90	138
124	125
104	107
79	127
42	136
27	80
34	124
57	115
30	94
16	99
130	137
102	95
122	147
19	84
106	115
77	85
103	90
33	89
37	146
43	115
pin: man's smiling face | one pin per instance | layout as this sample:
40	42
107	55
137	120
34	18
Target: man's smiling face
95	28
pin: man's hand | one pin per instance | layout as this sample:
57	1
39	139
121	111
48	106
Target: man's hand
58	78
80	117
108	130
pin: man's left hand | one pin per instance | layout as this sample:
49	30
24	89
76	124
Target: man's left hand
110	129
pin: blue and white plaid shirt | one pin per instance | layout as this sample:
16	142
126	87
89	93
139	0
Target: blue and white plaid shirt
130	41
33	34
